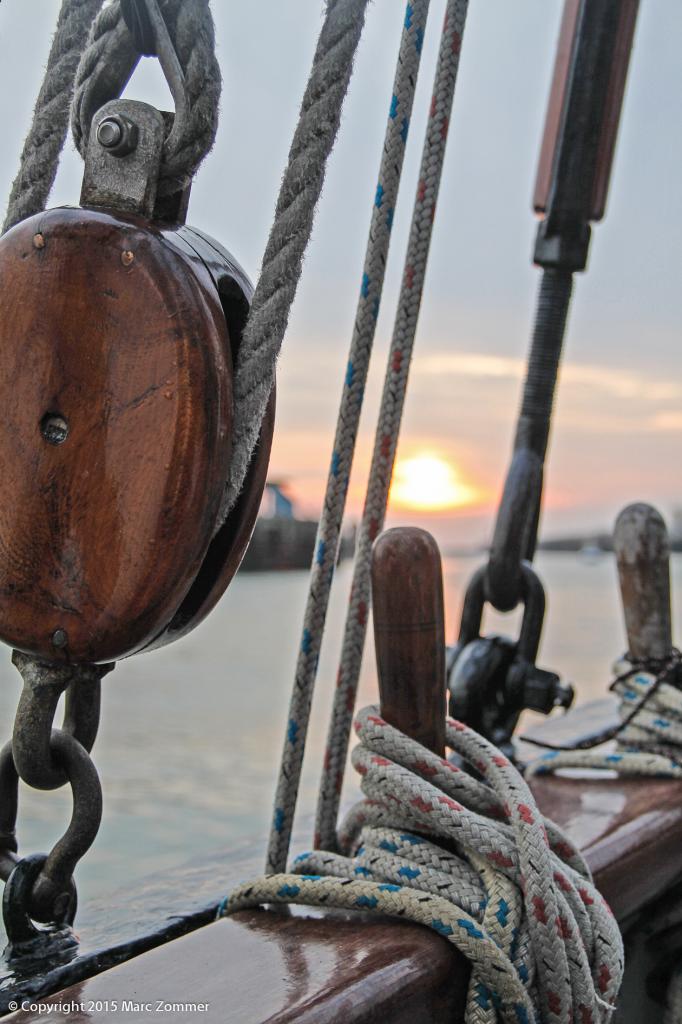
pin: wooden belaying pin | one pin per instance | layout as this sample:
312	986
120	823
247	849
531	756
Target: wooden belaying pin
409	634
640	540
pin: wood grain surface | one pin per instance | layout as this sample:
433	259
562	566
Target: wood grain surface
284	969
409	634
229	543
111	329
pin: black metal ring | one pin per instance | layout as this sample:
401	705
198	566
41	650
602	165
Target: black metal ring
531	594
80	834
9	801
516	519
54	879
16	901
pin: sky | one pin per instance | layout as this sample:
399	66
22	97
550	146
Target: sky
617	434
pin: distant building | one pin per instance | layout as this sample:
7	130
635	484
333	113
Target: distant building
283	541
276	504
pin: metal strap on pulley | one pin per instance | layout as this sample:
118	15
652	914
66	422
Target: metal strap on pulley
187	56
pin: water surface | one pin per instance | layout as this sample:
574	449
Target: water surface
191	734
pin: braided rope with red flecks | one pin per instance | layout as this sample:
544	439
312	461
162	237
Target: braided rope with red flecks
390	416
329	528
650	741
483	868
648	744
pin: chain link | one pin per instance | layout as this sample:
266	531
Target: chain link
41	887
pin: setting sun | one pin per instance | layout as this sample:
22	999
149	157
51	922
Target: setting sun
429	483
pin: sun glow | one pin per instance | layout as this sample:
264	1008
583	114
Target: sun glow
429	483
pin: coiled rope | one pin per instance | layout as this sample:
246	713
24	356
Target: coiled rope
649	740
493	877
648	743
476	862
329	528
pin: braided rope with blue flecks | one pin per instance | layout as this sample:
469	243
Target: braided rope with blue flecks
475	861
385	198
650	741
390	417
648	744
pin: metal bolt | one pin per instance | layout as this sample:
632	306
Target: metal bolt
54	428
60	638
109	132
39	241
117	134
127	257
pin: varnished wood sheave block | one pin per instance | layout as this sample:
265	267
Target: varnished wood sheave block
116	390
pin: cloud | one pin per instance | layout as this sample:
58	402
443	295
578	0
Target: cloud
593	397
670	420
618	383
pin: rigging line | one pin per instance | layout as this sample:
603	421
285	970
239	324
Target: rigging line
45	141
329	528
290	233
390	416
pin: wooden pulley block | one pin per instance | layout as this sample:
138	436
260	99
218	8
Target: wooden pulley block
118	338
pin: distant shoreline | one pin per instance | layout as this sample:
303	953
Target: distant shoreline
590	545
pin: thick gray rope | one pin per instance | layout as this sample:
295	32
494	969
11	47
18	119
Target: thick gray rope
390	417
110	59
384	198
282	263
45	140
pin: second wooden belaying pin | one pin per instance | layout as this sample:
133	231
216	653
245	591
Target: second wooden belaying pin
117	347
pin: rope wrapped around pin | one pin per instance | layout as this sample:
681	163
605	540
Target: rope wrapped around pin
472	858
648	679
649	738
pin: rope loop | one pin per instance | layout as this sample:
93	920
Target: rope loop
190	65
136	16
